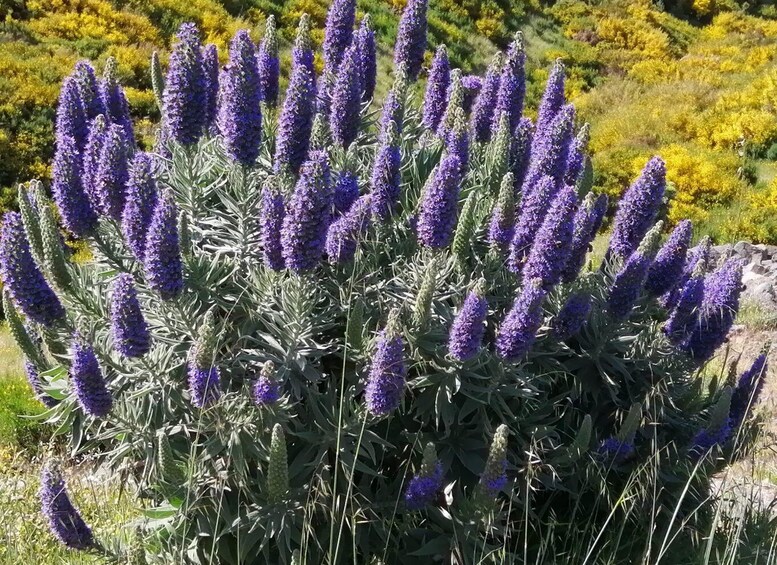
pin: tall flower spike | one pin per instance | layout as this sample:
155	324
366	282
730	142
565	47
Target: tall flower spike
466	227
748	390
54	260
204	375
308	215
494	477
576	155
472	85
115	101
686	307
502	226
385	180
512	86
30	220
210	69
718	429
111	175
91	159
628	283
346	98
270	223
88	89
411	38
483	107
499	148
572	316
422	489
520	150
20	333
185	96
346	191
518	331
142	194
366	39
638	208
170	473
588	220
438	211
422	307
162	259
269	64
240	97
88	381
278	469
717	311
343	235
550	251
553	97
296	118
386	378
454	106
697	256
436	89
266	389
466	333
71	117
157	81
670	261
550	150
22	277
338	32
392	115
128	326
457	140
77	214
64	521
534	208
33	377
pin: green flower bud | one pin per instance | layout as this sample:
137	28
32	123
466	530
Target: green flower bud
278	469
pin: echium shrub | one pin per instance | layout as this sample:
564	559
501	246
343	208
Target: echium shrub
374	333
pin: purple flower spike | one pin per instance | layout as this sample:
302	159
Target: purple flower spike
386	178
308	216
686	310
411	38
748	391
343	235
33	377
88	89
111	176
485	102
66	185
267	390
64	520
717	311
366	39
71	117
269	65
615	450
91	158
553	98
502	226
576	155
553	243
240	97
162	260
210	69
705	439
670	261
204	385
185	97
534	207
588	220
697	257
466	333
438	215
346	192
423	488
88	381
472	85
518	331
128	326
386	378
572	316
520	150
550	150
338	32
638	209
270	222
436	89
494	477
296	118
115	101
141	200
346	98
22	277
512	87
628	283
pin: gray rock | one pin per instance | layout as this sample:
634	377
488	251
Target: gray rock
743	248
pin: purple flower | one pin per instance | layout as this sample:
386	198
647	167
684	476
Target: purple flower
141	201
518	331
436	89
33	377
717	311
366	38
128	326
423	487
88	381
71	117
588	220
308	215
532	213
411	38
111	175
485	102
204	385
696	258
270	222
240	96
502	226
386	378
472	85
553	98
269	65
68	190
114	100
638	208
338	32
686	309
466	333
392	114
572	316
438	214
346	191
162	260
346	98
707	438
552	244
550	150
670	261
512	87
185	95
615	450
210	70
22	277
494	477
342	237
520	150
386	178
64	520
748	390
296	118
91	158
267	390
576	155
628	283
88	89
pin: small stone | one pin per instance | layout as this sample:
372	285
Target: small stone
742	248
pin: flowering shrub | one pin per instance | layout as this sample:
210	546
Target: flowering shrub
311	334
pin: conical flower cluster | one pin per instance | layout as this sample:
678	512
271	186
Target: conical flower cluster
88	380
386	379
269	64
185	95
128	326
64	521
